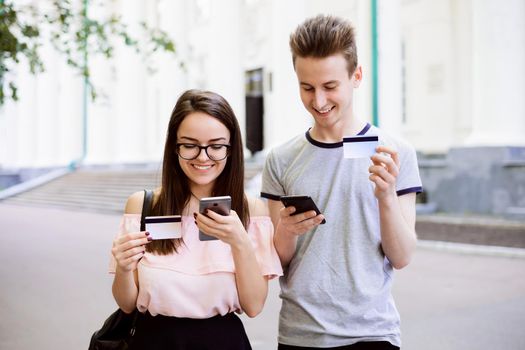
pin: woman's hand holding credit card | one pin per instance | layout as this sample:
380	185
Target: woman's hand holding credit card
164	227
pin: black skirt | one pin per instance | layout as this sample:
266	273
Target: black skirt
173	333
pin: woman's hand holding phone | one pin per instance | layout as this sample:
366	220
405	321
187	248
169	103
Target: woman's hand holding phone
227	228
216	220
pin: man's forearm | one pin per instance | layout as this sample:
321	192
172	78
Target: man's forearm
398	237
285	245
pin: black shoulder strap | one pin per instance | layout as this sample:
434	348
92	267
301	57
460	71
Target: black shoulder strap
146	208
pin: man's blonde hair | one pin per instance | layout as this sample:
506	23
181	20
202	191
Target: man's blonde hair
322	36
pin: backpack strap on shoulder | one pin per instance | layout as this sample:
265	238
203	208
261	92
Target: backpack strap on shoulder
146	208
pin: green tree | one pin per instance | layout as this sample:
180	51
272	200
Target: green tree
72	32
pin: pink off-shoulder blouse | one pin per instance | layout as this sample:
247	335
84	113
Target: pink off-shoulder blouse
199	280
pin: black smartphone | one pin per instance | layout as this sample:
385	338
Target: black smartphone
301	204
221	205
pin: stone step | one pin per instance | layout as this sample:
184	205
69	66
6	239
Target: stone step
109	207
479	230
91	190
70	199
98	190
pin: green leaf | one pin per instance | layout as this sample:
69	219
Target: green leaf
74	34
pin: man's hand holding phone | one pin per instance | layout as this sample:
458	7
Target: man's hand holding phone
299	215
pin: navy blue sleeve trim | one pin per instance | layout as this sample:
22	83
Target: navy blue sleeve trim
417	189
270	196
365	129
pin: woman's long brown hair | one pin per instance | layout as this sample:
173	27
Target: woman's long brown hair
175	192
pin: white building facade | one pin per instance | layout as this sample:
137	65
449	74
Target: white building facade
450	74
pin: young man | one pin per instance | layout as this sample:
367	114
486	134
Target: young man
336	288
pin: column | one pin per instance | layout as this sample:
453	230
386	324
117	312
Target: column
390	87
498	73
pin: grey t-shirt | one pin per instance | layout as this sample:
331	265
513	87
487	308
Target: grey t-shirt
337	288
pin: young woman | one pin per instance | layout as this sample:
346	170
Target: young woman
188	290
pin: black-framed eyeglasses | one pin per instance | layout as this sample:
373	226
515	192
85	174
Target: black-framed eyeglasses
190	151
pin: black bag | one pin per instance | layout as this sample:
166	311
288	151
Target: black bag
116	332
119	328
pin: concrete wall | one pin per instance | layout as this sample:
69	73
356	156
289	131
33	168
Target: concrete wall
476	180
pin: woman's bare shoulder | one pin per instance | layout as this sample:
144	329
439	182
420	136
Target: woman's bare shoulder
136	200
134	203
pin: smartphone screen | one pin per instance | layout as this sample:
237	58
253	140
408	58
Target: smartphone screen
301	203
220	205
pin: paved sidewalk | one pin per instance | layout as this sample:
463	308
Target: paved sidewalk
55	291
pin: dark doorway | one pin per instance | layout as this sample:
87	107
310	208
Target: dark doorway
254	110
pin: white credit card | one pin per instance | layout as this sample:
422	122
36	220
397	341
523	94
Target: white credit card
361	146
164	227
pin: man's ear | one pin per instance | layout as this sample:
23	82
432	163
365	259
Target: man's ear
357	76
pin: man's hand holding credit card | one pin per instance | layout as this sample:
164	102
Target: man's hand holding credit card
361	146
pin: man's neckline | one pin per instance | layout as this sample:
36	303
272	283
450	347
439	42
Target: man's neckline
333	144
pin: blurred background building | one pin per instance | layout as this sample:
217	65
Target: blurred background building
448	76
